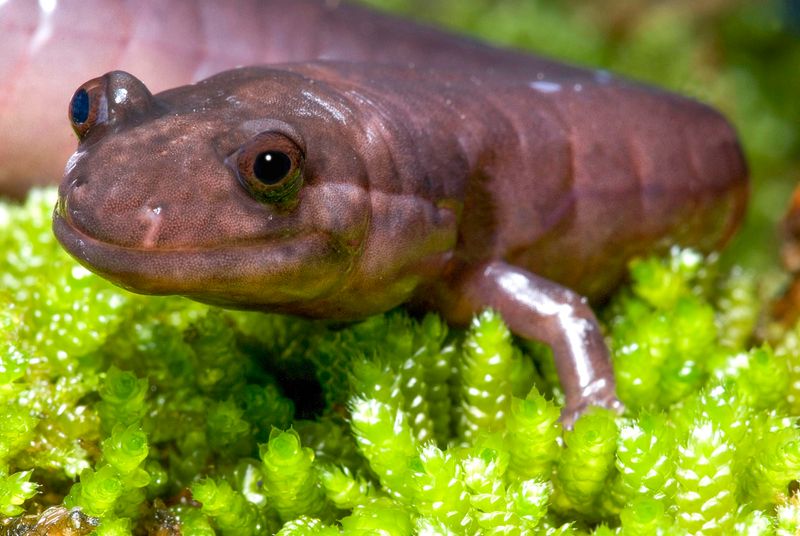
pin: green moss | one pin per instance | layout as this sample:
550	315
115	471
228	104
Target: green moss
485	380
231	511
15	489
644	515
586	462
713	449
788	516
305	525
706	486
533	431
291	482
344	489
386	440
122	399
645	459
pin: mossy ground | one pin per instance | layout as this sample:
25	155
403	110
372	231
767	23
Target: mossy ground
162	414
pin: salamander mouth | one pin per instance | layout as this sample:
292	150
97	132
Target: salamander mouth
233	275
64	224
139	270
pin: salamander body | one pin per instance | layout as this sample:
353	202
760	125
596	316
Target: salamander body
340	189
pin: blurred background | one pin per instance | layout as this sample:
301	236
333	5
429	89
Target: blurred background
741	56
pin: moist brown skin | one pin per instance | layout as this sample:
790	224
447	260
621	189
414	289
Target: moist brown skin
450	190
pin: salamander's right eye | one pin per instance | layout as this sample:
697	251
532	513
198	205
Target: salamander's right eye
88	107
270	168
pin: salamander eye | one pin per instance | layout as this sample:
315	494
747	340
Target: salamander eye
87	108
79	107
270	168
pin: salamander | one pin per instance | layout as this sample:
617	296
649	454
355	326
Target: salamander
340	189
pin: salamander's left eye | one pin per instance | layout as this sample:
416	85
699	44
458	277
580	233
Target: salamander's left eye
270	168
108	103
79	107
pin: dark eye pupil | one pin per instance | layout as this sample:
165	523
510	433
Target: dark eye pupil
79	108
272	166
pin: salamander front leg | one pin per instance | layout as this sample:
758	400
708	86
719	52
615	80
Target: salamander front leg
539	309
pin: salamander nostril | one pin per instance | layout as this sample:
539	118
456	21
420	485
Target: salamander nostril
78	181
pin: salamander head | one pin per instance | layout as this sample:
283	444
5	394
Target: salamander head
240	190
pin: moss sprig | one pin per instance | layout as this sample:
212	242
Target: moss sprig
231	512
290	477
305	525
439	489
533	432
344	489
97	492
706	487
645	460
662	282
194	521
126	448
435	356
761	376
227	430
485	387
770	461
117	488
379	516
264	407
123	399
645	515
788	517
754	522
738	308
587	461
218	356
497	508
115	527
387	442
17	429
15	489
